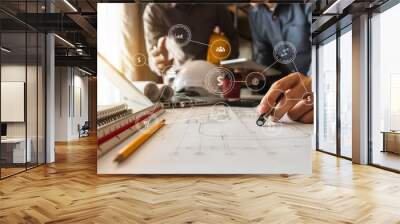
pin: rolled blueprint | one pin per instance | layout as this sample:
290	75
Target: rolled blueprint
166	92
149	89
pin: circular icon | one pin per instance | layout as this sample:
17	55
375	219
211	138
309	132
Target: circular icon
186	103
219	81
217	106
180	33
308	98
145	124
285	52
139	59
272	129
255	81
220	112
281	96
220	49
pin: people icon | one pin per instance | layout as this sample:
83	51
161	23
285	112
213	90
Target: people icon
220	49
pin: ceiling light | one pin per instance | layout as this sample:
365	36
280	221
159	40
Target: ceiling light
70	5
84	71
337	7
64	40
5	50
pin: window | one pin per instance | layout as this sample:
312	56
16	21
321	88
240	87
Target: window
22	77
327	96
385	89
346	93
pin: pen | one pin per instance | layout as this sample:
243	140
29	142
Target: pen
263	117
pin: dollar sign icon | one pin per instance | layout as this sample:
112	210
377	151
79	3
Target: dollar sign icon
139	59
220	80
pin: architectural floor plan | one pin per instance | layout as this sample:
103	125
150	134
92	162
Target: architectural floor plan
217	140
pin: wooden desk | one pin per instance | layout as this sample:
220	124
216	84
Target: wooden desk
13	150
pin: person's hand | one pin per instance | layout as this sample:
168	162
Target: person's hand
296	99
160	55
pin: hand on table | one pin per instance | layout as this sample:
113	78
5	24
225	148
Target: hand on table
297	99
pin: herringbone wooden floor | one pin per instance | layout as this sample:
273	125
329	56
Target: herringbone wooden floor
69	191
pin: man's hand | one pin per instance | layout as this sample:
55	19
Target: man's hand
296	99
160	55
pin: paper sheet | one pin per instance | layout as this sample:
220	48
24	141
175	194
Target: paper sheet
217	140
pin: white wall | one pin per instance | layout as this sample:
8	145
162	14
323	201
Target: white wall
71	103
12	73
33	126
16	73
80	110
61	103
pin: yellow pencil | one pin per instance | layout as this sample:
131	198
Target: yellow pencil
142	138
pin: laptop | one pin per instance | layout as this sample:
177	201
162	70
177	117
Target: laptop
188	99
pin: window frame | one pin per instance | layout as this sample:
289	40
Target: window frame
27	29
378	10
347	27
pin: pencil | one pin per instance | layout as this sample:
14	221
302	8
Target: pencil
137	142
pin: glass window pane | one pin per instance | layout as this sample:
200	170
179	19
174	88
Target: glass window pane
346	94
385	84
13	86
327	97
31	97
22	86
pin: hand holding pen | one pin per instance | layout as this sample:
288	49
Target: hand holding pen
292	95
264	116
